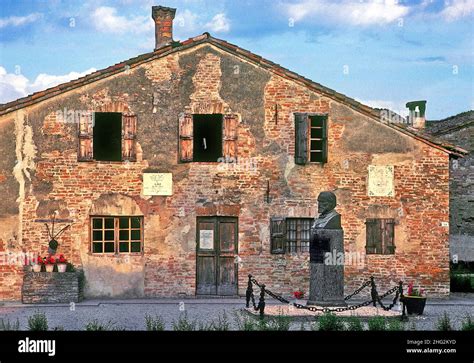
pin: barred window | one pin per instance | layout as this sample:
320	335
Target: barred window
290	235
116	235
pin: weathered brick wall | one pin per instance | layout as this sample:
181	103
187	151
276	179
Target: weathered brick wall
207	80
50	288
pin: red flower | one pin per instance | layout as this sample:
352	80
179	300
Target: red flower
410	288
39	260
62	259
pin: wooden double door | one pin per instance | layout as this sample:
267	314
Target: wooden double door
216	251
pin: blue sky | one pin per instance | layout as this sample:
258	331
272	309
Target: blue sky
381	52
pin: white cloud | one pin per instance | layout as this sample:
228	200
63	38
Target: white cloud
13	86
456	9
348	12
19	20
219	23
105	19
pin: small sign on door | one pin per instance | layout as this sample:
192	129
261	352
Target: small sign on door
206	239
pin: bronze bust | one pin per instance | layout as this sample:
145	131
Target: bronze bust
328	218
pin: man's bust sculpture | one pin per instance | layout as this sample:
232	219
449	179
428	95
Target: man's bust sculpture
327	240
328	217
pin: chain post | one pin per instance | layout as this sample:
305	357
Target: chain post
261	302
249	292
373	291
402	301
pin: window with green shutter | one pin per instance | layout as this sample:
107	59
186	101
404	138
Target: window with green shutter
380	236
277	233
311	138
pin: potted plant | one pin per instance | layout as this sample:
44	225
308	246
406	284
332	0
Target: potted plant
298	294
38	263
49	263
61	263
414	300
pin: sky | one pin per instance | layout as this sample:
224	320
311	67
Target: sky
383	53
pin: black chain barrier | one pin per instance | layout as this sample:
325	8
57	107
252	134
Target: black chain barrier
375	298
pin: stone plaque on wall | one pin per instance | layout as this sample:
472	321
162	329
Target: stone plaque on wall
157	184
380	181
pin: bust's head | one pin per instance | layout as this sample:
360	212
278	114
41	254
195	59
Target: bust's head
326	202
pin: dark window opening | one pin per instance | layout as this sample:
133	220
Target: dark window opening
207	144
318	139
107	136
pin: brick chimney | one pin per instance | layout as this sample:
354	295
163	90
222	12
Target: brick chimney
416	116
163	18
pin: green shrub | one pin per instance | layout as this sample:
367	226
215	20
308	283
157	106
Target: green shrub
38	322
96	325
184	324
466	325
377	323
444	323
461	283
395	324
5	325
353	324
330	322
154	324
279	323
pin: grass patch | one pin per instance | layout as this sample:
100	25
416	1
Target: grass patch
184	324
38	322
377	323
96	325
6	325
444	323
329	322
154	323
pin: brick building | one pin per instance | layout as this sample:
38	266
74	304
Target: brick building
248	146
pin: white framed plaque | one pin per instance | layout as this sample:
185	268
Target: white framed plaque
157	184
380	181
206	239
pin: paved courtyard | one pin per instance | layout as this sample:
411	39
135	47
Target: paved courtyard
130	314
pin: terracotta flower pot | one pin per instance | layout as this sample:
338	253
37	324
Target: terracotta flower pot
415	304
49	268
62	267
37	268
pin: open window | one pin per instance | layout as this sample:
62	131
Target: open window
107	136
311	138
207	137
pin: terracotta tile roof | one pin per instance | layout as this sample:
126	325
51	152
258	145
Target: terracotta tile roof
233	49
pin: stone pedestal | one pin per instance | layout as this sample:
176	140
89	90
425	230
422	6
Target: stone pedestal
327	268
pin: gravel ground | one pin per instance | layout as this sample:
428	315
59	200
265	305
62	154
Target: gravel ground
130	314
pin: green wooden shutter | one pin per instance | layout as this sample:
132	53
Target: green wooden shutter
277	235
301	138
373	236
325	140
388	236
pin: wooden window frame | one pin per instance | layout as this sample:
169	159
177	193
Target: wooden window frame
116	230
86	138
230	131
303	128
385	243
